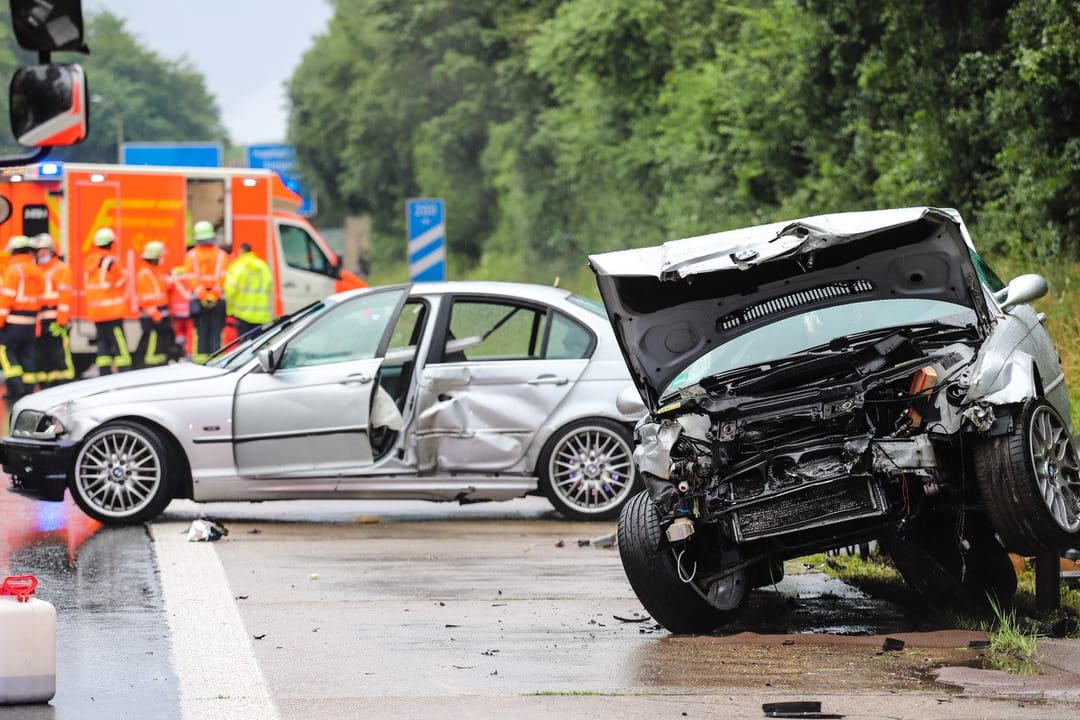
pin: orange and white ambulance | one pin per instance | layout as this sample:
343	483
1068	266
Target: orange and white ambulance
144	203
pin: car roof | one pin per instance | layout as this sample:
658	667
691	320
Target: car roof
525	291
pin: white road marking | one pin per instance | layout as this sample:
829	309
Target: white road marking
211	651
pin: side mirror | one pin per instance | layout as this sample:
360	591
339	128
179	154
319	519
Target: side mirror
48	105
268	358
1022	289
48	25
628	401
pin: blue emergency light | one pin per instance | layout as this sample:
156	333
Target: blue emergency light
50	169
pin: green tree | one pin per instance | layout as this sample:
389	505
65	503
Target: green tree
139	96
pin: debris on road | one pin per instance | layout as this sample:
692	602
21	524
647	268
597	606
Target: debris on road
604	541
205	530
892	644
635	619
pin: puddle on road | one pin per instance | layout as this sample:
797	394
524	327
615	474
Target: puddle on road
811	633
35	532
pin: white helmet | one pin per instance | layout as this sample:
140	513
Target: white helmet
44	241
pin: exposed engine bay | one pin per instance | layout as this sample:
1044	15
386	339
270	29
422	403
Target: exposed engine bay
860	430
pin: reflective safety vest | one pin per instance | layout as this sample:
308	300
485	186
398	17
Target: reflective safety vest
206	265
104	283
249	290
150	288
58	293
21	286
178	287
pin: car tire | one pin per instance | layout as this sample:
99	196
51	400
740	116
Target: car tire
947	576
586	469
1029	480
650	566
124	473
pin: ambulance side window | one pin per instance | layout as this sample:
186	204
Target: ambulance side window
300	251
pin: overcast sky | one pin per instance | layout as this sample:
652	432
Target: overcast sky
246	49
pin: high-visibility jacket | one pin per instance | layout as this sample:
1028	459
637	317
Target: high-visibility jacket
151	292
179	289
206	264
58	294
21	286
104	282
249	289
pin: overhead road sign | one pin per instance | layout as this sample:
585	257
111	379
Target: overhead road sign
282	159
426	223
172	154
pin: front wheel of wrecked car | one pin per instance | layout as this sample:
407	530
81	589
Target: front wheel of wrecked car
670	593
123	474
1029	479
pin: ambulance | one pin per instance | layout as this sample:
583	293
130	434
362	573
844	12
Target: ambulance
143	203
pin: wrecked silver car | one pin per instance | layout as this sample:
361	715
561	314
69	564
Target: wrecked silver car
832	381
455	391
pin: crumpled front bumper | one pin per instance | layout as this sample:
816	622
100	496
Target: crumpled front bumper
39	469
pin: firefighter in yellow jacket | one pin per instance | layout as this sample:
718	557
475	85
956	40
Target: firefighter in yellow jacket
21	286
249	290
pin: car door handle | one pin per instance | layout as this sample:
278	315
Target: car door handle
357	379
549	380
288	285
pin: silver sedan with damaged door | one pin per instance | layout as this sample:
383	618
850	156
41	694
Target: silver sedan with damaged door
456	391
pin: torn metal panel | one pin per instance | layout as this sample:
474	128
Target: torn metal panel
904	454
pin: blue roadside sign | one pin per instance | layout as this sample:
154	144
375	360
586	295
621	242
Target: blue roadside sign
426	223
282	158
175	154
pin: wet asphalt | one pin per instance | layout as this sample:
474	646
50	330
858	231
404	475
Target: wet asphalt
348	609
112	656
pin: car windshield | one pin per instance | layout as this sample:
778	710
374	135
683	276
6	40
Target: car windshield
816	327
243	349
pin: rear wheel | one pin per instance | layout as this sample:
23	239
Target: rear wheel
670	592
587	469
1030	481
124	473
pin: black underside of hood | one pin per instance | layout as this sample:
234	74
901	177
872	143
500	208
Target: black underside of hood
666	316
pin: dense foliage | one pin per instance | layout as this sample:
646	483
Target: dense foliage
558	128
137	95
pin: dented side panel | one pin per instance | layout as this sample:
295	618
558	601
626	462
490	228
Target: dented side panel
483	415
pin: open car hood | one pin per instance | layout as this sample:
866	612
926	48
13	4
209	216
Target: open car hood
671	304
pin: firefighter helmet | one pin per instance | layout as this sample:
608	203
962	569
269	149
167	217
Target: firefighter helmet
204	231
44	241
153	250
104	237
18	242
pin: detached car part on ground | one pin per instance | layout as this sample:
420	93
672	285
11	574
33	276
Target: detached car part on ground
459	391
831	381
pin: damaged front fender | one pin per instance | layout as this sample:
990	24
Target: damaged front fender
1002	379
655	441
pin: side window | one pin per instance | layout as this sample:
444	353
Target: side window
409	328
568	340
347	333
493	330
300	250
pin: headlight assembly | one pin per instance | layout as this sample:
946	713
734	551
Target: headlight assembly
38	425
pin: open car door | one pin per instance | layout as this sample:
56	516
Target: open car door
306	410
